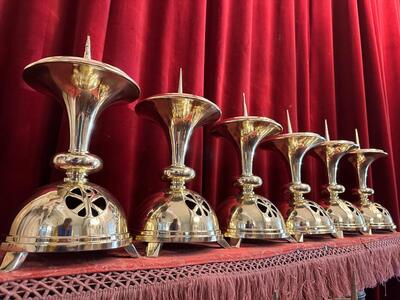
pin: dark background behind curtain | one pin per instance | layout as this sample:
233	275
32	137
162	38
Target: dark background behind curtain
338	60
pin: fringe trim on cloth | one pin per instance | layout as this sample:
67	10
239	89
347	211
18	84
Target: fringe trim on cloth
318	276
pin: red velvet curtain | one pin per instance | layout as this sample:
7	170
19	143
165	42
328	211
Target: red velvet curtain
338	60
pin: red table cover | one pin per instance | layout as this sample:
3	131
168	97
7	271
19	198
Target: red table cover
316	269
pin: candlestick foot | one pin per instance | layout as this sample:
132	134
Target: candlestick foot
291	239
153	249
12	261
338	234
368	231
131	250
299	237
223	243
235	242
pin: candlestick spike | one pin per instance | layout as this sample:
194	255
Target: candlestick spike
180	85
289	123
326	131
244	106
357	137
88	51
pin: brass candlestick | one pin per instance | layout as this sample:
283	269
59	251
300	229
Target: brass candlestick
74	215
305	217
251	216
346	216
179	215
376	216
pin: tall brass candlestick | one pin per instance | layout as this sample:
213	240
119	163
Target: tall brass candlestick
305	217
251	216
346	216
75	215
376	216
179	215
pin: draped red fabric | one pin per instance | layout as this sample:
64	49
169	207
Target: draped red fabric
338	60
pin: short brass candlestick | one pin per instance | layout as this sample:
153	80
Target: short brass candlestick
345	215
179	215
376	216
252	216
305	217
74	215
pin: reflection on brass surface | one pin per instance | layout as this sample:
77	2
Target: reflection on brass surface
73	215
68	217
345	215
376	216
179	214
305	217
250	216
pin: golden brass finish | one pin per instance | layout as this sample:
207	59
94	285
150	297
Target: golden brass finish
376	216
179	214
251	216
345	215
305	217
73	215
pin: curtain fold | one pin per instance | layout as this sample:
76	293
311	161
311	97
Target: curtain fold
334	60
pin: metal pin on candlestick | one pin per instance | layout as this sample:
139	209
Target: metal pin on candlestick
179	214
376	216
345	215
305	217
74	215
250	216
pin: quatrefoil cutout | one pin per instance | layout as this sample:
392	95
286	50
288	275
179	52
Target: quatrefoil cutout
85	202
317	210
381	209
266	208
352	208
198	205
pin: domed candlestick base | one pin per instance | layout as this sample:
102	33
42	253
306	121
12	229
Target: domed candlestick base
179	215
74	215
248	215
376	216
253	216
345	215
305	217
